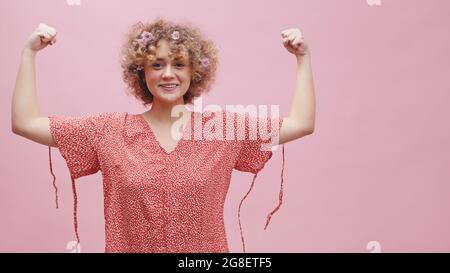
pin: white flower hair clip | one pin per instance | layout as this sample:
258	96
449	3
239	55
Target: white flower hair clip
175	35
143	40
135	68
145	37
204	62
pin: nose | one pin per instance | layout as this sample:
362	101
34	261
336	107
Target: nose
168	72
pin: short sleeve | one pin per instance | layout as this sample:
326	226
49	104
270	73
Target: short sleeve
77	140
255	148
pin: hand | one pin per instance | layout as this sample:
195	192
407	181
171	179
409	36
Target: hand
41	37
294	42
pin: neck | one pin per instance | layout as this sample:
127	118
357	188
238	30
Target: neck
162	112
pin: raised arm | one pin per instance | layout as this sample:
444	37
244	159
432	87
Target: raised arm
25	117
301	119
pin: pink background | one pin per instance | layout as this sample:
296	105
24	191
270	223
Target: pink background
375	169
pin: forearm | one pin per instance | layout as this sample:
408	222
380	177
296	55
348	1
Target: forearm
303	104
24	105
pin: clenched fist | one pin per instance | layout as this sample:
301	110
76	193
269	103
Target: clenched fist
294	41
43	36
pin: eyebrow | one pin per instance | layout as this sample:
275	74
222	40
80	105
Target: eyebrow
176	59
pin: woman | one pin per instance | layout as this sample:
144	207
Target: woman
164	188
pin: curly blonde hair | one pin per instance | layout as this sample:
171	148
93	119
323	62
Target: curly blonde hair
139	48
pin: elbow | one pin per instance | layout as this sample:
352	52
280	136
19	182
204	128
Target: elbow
309	127
303	131
14	127
306	129
16	130
19	126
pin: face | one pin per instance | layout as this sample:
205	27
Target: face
163	71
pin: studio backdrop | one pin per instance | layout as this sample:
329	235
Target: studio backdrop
373	177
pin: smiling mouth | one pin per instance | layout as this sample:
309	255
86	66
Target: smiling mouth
169	87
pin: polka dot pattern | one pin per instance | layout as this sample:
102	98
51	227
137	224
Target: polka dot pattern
155	200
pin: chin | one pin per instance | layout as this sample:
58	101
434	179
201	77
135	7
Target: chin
170	97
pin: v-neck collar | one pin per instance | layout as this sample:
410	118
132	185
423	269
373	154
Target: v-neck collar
155	139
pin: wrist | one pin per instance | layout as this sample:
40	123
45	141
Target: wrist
302	58
28	52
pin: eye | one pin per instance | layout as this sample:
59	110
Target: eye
178	65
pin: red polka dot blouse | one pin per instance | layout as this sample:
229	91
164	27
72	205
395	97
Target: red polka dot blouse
157	200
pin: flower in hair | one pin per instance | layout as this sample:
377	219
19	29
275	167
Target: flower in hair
175	35
204	62
145	38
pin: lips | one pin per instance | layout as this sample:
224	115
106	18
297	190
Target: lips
168	87
169	84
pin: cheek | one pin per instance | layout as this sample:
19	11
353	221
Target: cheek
151	79
187	76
